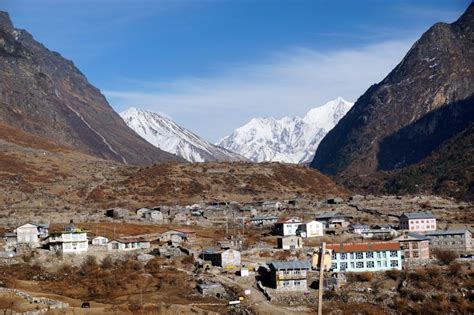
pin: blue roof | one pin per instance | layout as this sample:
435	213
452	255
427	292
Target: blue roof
295	264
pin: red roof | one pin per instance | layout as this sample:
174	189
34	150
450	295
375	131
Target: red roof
363	247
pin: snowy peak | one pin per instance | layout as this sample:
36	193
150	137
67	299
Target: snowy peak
165	134
289	139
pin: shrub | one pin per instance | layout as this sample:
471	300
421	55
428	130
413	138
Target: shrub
360	277
393	274
445	256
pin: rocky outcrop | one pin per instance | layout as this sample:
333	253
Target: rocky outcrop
423	103
45	94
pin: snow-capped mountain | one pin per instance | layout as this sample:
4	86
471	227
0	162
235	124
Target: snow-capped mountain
165	134
290	140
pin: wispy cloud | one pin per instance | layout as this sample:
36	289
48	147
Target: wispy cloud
287	83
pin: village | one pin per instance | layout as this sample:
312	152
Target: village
242	257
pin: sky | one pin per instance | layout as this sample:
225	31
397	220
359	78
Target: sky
212	65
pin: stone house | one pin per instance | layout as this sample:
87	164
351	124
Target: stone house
333	220
212	289
417	221
228	258
272	205
118	213
415	247
458	240
290	242
289	275
28	234
128	244
361	257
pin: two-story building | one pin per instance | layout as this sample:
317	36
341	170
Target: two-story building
29	234
459	240
361	257
333	220
415	247
311	228
289	275
287	226
417	221
70	241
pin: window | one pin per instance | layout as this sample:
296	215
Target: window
407	254
415	254
297	283
369	255
384	254
343	266
385	263
393	263
379	255
352	265
352	255
286	283
379	264
414	245
334	265
343	256
359	255
393	253
333	255
370	264
360	264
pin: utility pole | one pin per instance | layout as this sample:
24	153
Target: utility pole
321	279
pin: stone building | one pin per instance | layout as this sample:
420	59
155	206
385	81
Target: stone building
415	247
459	240
289	275
290	242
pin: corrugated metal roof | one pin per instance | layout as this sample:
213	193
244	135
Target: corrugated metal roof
447	232
363	247
419	215
295	264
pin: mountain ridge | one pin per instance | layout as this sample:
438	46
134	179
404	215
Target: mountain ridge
289	139
165	134
45	94
423	103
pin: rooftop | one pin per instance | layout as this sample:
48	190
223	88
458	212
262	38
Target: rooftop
363	247
183	230
295	264
419	215
289	220
447	232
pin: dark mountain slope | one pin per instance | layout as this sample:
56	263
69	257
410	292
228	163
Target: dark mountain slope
422	104
45	94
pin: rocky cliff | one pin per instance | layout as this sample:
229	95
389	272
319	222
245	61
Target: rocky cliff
422	104
45	94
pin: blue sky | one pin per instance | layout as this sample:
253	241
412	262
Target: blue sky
212	65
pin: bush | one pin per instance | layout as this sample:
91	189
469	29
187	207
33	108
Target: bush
393	274
445	256
360	277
